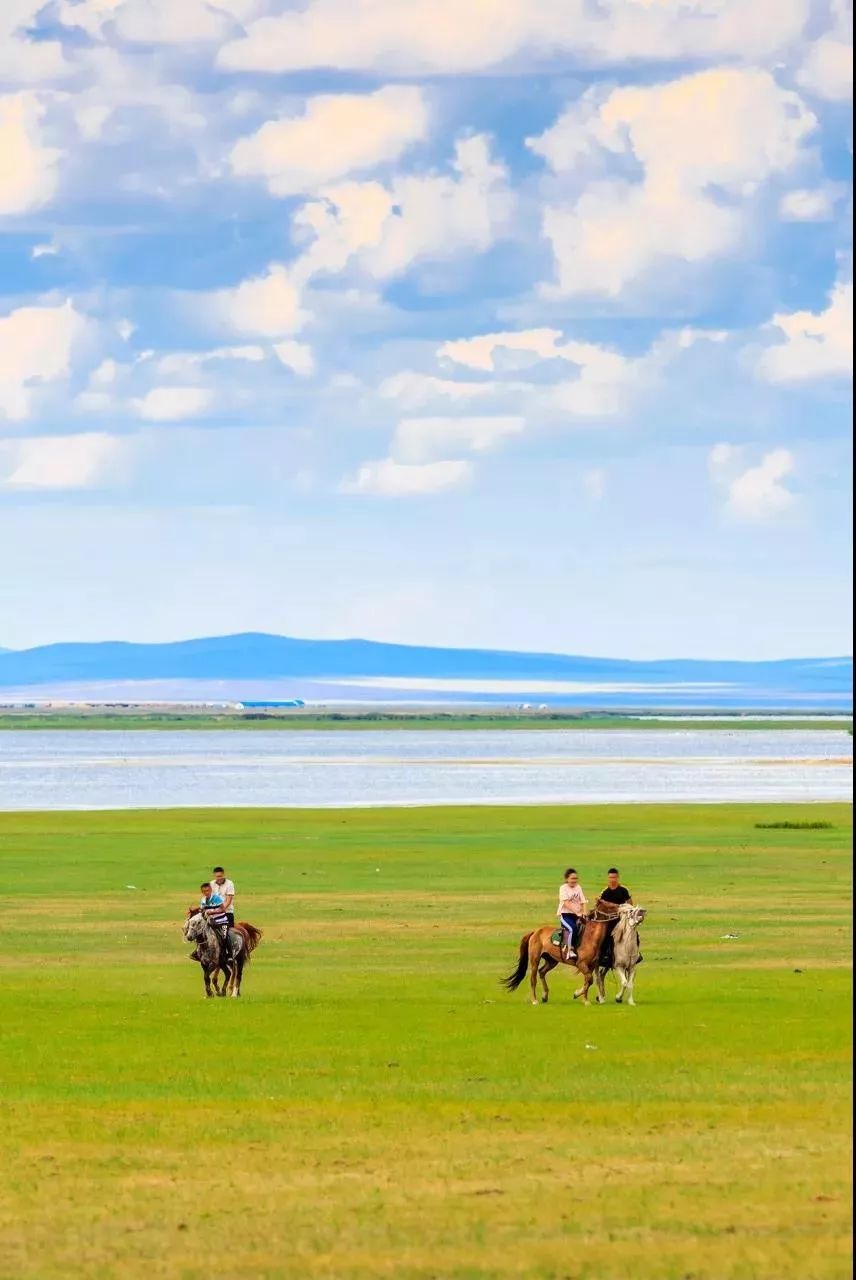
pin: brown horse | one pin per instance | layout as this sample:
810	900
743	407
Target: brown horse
539	954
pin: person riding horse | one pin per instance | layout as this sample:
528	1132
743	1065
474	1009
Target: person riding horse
618	894
212	907
571	909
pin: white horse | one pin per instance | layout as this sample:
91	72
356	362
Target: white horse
625	953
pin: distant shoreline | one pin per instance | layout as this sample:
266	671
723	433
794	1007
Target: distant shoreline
414	721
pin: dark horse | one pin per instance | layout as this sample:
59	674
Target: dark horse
539	954
241	941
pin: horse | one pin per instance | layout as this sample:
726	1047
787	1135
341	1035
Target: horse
241	941
625	953
539	954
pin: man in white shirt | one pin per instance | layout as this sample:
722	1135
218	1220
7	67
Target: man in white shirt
572	907
225	890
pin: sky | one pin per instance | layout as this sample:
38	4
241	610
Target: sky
509	323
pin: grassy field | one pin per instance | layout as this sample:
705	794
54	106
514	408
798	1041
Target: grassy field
376	1105
374	720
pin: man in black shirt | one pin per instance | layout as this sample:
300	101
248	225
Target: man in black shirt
615	890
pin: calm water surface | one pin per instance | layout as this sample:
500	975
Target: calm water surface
164	769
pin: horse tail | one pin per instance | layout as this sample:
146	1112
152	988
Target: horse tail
513	981
252	936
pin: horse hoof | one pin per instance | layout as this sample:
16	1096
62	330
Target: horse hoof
543	999
601	1000
618	999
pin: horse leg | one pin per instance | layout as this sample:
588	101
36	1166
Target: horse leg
534	957
547	964
206	978
237	974
599	975
631	975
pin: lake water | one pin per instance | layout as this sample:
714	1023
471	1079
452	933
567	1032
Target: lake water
166	769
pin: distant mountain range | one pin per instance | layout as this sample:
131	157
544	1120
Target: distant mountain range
258	665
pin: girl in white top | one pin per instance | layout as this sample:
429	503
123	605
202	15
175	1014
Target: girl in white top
572	905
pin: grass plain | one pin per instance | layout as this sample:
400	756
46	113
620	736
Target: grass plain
376	1105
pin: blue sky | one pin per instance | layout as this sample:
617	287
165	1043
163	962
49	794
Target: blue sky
519	323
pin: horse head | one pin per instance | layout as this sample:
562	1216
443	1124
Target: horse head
194	927
632	915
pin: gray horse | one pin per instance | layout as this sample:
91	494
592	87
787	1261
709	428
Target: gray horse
625	953
197	929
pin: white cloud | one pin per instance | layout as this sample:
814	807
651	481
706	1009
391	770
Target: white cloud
267	306
24	61
433	216
816	345
726	129
28	169
390	479
481	352
757	493
184	364
59	462
827	70
603	386
296	356
447	37
172	404
419	440
48	250
158	21
809	205
36	345
338	134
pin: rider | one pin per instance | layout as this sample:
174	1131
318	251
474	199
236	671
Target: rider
618	894
615	891
572	905
226	891
211	904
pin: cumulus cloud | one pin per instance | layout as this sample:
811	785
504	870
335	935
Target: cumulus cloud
267	306
28	168
24	61
754	493
482	352
812	345
726	130
445	37
185	364
337	135
815	204
387	478
59	462
296	356
173	404
386	229
603	385
827	71
158	21
36	345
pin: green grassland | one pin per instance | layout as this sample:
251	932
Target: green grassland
376	1105
299	720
